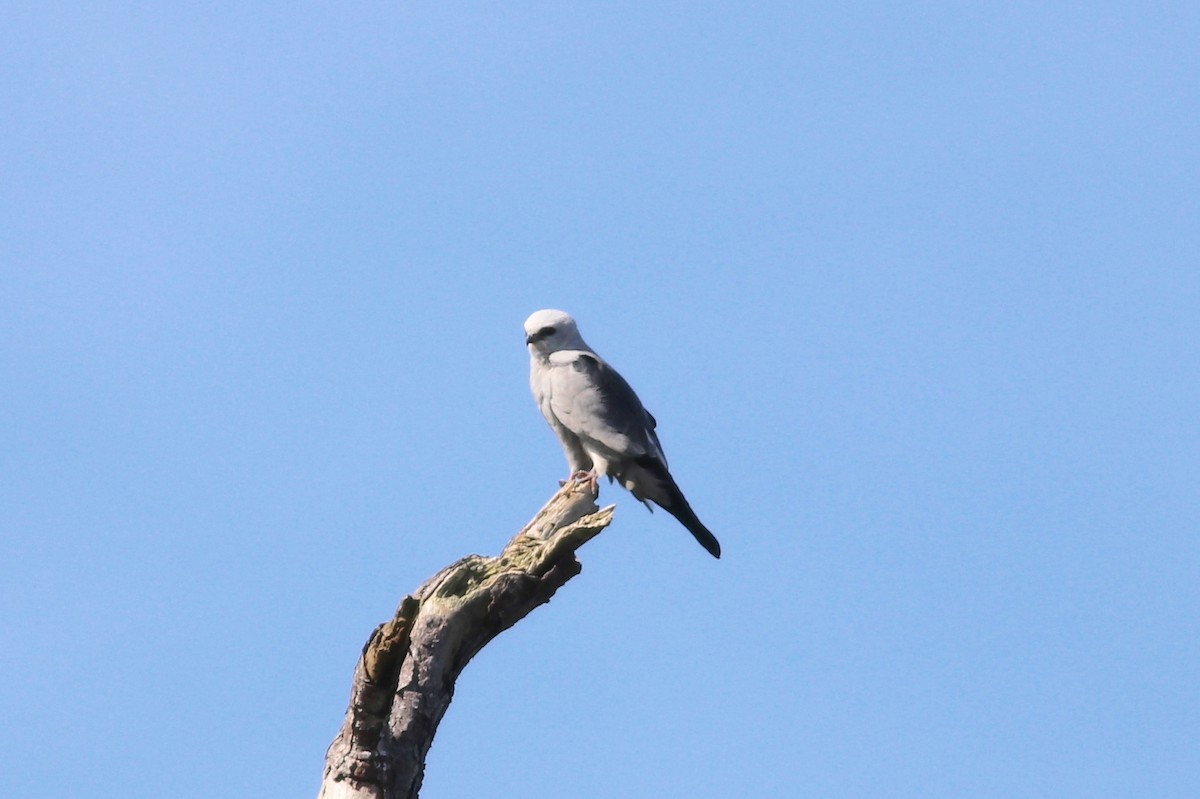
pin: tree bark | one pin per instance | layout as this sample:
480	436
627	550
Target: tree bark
404	680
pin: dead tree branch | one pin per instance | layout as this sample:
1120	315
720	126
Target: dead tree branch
404	680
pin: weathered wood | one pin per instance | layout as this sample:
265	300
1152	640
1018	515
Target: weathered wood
404	680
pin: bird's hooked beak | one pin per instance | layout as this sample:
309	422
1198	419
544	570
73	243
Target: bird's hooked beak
528	340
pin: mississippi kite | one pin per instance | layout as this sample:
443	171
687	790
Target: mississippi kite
601	423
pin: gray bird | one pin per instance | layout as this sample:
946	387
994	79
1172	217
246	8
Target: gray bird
601	423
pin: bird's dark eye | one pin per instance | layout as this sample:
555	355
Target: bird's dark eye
545	331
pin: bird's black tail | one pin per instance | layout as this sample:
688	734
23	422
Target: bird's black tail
659	487
681	510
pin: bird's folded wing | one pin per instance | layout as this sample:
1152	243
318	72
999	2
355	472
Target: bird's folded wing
596	403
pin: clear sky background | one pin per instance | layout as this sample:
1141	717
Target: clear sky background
912	290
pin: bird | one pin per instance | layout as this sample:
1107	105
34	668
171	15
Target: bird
602	425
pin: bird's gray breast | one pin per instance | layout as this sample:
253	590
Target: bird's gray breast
542	383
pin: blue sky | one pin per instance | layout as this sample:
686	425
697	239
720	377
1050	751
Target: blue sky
912	291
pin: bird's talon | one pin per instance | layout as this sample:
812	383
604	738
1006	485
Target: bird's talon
590	480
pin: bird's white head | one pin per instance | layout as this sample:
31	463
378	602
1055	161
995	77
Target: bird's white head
548	331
